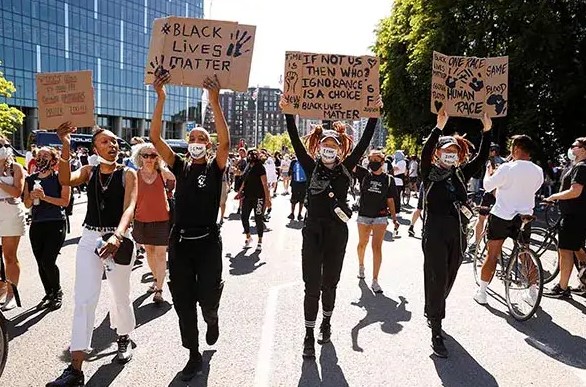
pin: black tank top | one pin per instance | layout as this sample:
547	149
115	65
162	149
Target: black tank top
110	201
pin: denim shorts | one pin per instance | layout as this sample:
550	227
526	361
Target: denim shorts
372	221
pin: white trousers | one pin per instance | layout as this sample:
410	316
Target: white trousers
88	283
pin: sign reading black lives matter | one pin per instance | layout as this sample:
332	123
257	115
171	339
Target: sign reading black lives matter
331	87
469	86
191	49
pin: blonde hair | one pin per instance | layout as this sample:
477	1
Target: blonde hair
137	158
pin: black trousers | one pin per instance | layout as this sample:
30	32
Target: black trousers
442	250
258	206
195	276
322	254
47	238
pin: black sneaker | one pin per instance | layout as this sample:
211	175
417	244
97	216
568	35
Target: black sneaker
325	333
124	353
300	218
212	333
411	231
558	292
69	378
309	347
56	301
45	302
193	367
439	349
291	216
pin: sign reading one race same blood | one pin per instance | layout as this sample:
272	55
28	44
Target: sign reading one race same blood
192	49
63	97
470	86
331	87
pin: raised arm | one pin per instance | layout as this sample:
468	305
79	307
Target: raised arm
155	135
302	156
481	158
354	157
430	143
213	87
66	177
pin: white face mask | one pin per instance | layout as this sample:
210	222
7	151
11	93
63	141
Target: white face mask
197	151
328	155
5	153
571	155
449	159
102	160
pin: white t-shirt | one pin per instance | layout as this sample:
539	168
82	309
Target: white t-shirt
401	168
516	183
271	170
413	167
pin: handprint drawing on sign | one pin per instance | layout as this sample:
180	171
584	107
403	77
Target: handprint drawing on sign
499	103
239	40
157	68
450	80
291	81
476	83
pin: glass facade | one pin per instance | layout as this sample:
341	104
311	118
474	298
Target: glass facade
109	37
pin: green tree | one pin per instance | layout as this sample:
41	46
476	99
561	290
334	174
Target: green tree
276	142
10	118
546	44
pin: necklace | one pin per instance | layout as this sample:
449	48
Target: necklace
102	185
148	177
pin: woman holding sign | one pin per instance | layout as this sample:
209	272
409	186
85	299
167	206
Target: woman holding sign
327	161
445	175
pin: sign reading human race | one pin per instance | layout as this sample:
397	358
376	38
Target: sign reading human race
63	97
192	49
330	86
470	86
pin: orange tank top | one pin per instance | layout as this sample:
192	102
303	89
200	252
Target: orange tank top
151	204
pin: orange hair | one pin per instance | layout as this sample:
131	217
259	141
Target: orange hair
313	139
465	147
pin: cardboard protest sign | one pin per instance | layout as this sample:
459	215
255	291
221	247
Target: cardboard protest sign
331	87
470	86
63	97
192	49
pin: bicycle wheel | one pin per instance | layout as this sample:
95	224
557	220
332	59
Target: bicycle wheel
3	343
523	284
545	245
479	258
552	215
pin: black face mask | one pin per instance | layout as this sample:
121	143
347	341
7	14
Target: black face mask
375	165
43	165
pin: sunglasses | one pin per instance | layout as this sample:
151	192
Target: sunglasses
149	156
5	145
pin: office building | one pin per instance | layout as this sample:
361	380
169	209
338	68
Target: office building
109	37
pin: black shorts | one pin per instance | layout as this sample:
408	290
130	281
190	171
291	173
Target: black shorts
501	229
572	232
488	200
298	192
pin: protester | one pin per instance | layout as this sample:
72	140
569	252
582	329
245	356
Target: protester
271	171
12	219
516	184
572	231
195	245
48	199
239	173
377	201
285	166
278	163
129	161
417	213
414	174
112	191
151	218
256	196
400	174
298	188
445	177
328	161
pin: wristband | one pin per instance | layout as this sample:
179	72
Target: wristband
119	237
65	160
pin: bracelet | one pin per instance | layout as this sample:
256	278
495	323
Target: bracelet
119	237
65	160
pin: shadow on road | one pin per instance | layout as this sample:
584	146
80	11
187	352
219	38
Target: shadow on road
105	375
331	373
548	337
243	264
23	322
461	369
379	309
295	224
148	312
72	241
200	380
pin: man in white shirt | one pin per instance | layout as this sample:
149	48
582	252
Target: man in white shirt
516	183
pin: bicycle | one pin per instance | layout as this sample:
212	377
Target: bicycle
521	273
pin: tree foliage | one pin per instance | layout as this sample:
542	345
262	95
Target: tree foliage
546	44
10	117
276	142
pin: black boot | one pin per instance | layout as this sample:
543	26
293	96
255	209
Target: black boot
213	333
45	302
56	301
325	332
309	345
69	378
437	340
193	367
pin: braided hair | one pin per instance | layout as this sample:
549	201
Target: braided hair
313	139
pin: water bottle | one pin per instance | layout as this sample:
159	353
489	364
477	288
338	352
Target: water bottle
37	185
108	261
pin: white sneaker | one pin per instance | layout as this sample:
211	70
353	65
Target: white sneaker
361	272
480	297
376	287
9	304
259	247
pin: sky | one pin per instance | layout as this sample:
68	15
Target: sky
321	26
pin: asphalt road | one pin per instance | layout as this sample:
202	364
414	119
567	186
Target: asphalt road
380	340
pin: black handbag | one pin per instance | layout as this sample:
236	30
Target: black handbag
123	255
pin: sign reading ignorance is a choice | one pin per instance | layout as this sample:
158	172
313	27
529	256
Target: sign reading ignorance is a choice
331	87
192	49
470	86
63	97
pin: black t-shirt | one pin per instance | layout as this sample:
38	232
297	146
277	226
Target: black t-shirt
576	175
109	202
197	193
374	192
241	165
45	211
253	187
